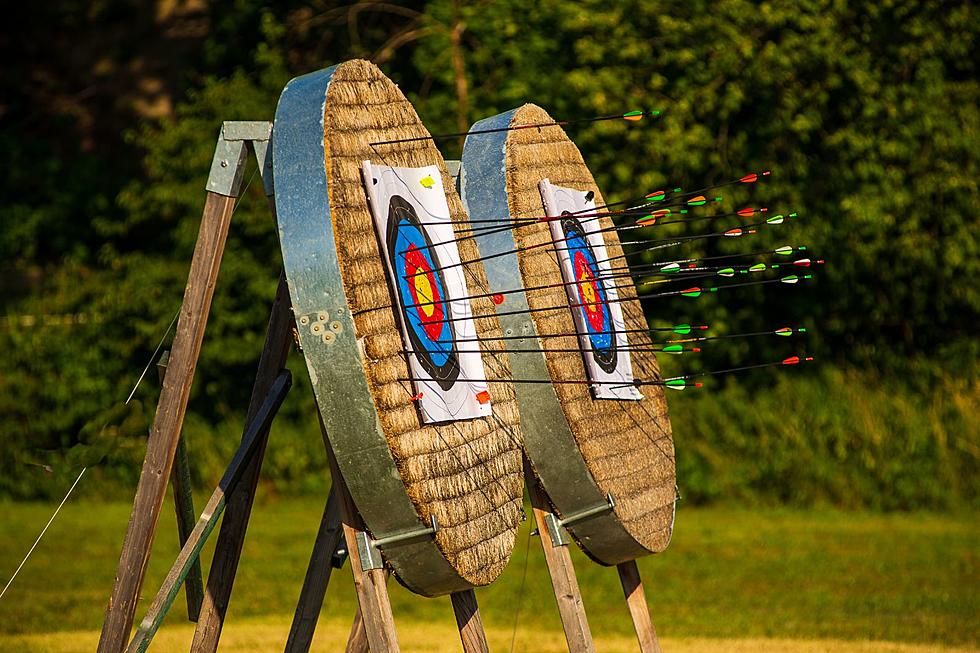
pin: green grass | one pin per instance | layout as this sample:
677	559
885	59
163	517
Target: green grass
729	573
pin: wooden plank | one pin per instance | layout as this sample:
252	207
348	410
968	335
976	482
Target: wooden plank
357	641
469	622
167	423
231	538
317	578
563	579
209	517
371	585
636	600
180	479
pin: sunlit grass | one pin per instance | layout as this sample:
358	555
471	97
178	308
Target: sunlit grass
269	635
729	573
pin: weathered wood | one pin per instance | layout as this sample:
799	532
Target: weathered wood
209	517
629	576
167	423
317	578
231	538
469	622
371	585
563	579
180	478
357	640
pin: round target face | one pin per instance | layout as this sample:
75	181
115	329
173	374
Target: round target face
421	294
591	291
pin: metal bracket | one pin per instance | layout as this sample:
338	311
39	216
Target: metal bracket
370	550
228	164
557	532
340	555
556	526
246	130
582	515
453	167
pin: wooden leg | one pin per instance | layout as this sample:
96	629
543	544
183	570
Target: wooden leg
357	640
629	576
563	579
167	423
180	479
191	551
231	538
184	505
317	579
371	585
469	623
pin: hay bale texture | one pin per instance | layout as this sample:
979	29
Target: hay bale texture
627	445
467	474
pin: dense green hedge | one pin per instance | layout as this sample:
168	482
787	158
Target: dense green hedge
835	437
827	437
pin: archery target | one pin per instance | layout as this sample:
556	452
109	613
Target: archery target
581	447
403	472
418	245
591	289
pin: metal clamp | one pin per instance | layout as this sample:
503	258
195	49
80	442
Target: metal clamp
228	163
556	526
369	549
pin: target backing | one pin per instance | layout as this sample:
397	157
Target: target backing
583	448
401	471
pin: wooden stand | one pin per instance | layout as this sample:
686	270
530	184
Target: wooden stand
567	593
374	626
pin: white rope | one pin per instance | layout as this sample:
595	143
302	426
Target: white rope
153	356
128	399
43	531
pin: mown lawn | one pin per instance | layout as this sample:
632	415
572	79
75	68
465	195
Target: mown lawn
838	579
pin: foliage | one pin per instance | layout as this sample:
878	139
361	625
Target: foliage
832	437
867	115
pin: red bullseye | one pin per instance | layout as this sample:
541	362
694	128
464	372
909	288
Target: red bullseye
588	293
425	292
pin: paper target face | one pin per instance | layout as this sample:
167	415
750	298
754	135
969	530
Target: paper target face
411	218
421	293
591	291
590	294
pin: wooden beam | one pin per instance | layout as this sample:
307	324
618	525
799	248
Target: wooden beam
317	578
231	538
167	424
209	517
563	579
371	585
180	478
357	641
469	622
629	576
